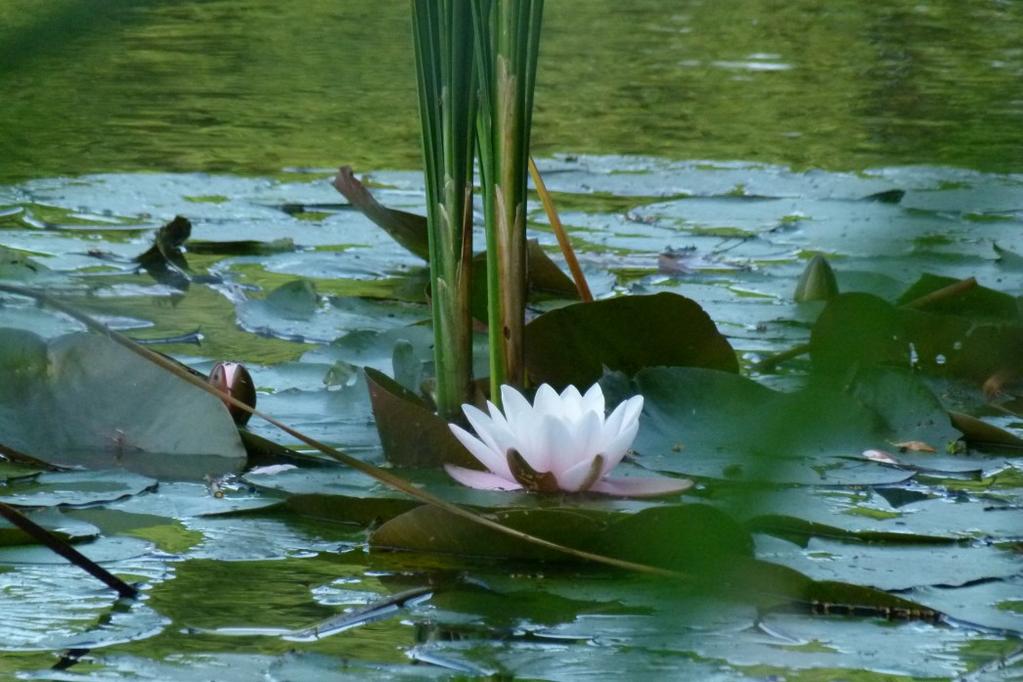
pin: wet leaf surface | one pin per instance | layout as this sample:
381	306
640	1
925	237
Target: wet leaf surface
573	345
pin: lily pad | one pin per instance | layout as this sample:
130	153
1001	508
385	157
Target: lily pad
75	488
860	330
64	527
712	424
83	398
410	433
573	345
978	303
677	537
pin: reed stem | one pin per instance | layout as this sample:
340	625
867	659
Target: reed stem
444	42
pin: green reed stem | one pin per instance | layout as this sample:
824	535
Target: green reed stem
443	32
507	48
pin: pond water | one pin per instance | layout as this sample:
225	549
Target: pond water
699	148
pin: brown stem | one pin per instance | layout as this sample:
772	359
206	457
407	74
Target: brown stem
62	548
559	231
952	290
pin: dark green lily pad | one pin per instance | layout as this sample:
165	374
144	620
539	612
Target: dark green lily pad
860	330
676	537
712	424
908	408
573	345
978	303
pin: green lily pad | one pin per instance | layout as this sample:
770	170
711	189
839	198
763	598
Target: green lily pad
15	265
860	330
82	398
711	424
75	488
978	303
908	408
676	537
64	527
573	345
800	531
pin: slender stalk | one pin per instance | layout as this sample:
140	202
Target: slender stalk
507	49
443	32
581	285
65	550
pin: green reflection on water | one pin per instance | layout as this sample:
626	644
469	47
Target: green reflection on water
253	86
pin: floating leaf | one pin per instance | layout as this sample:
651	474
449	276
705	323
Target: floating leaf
800	531
676	537
910	411
75	489
712	424
409	230
573	345
80	407
411	434
15	265
860	330
697	540
978	303
65	528
982	434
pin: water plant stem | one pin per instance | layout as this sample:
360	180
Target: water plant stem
567	251
507	49
65	550
443	33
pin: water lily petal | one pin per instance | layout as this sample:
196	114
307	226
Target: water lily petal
571	403
547	402
619	445
559	449
612	426
588	432
633	407
494	434
491	459
573	478
650	486
517	411
497	416
482	480
594	400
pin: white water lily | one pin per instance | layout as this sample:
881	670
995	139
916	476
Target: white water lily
560	442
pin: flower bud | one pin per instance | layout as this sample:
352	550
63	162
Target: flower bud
817	282
232	378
